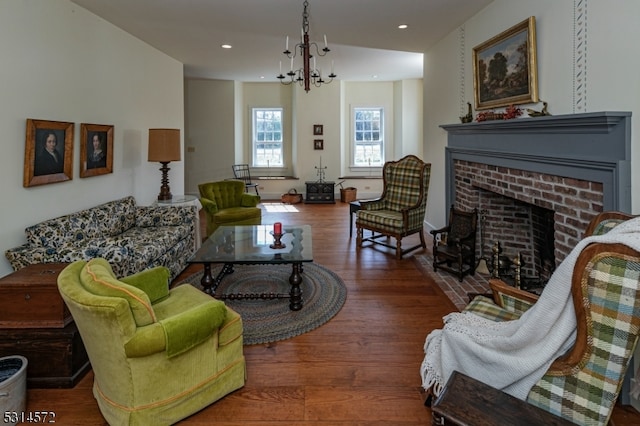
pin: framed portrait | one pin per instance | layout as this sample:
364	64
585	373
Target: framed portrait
318	144
48	152
96	149
318	129
505	68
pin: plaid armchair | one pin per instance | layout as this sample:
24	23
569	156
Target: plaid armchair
400	210
582	386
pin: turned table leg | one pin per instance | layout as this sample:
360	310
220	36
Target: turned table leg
295	302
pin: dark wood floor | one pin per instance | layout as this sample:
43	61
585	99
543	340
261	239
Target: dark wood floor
361	368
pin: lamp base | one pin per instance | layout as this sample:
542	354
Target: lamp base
165	191
165	197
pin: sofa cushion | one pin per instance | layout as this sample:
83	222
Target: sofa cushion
76	228
145	245
383	219
97	277
115	217
149	216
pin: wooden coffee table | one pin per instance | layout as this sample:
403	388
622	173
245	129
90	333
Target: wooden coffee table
250	245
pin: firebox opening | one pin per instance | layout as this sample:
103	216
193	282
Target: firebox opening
523	233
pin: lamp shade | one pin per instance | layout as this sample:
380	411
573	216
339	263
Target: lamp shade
164	145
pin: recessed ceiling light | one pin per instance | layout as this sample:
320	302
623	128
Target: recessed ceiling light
226	46
403	26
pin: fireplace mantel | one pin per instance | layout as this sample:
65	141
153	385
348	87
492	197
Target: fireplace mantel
591	146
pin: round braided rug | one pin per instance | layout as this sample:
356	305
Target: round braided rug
266	321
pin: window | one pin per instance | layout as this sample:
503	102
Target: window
267	137
368	137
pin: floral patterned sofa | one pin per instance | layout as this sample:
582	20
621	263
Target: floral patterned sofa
132	238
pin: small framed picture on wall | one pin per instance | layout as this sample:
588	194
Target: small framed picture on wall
318	129
318	144
96	149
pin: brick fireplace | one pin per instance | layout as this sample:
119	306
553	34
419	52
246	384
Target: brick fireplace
539	181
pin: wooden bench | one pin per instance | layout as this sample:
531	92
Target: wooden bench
465	401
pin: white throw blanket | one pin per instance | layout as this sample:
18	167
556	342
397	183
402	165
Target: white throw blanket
514	355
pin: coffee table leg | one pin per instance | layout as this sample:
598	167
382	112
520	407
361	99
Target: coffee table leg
210	284
207	279
295	302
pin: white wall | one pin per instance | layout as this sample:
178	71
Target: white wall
408	109
62	63
602	77
209	131
260	95
216	116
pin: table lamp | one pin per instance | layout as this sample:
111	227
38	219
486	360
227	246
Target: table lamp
164	147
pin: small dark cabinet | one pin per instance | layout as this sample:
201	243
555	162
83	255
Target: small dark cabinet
320	192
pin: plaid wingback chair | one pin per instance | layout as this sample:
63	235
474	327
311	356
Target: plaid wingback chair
605	222
400	210
582	386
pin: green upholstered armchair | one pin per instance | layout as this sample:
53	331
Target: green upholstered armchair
158	355
226	203
400	210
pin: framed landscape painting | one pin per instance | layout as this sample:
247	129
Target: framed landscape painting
48	152
505	68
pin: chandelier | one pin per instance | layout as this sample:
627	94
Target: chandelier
307	74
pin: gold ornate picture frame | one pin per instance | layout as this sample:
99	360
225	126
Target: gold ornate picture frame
96	149
48	154
505	68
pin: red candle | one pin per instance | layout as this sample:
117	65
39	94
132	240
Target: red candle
277	228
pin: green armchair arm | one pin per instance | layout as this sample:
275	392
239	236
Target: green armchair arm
154	282
249	200
209	206
192	327
179	333
146	341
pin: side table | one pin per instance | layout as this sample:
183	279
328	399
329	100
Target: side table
185	200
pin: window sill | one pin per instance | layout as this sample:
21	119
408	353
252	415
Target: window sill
275	178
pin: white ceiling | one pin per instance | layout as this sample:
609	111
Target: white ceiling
363	35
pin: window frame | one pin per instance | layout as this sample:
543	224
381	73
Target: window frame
381	141
255	141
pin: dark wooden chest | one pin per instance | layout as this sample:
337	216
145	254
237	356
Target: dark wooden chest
29	298
56	356
320	192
